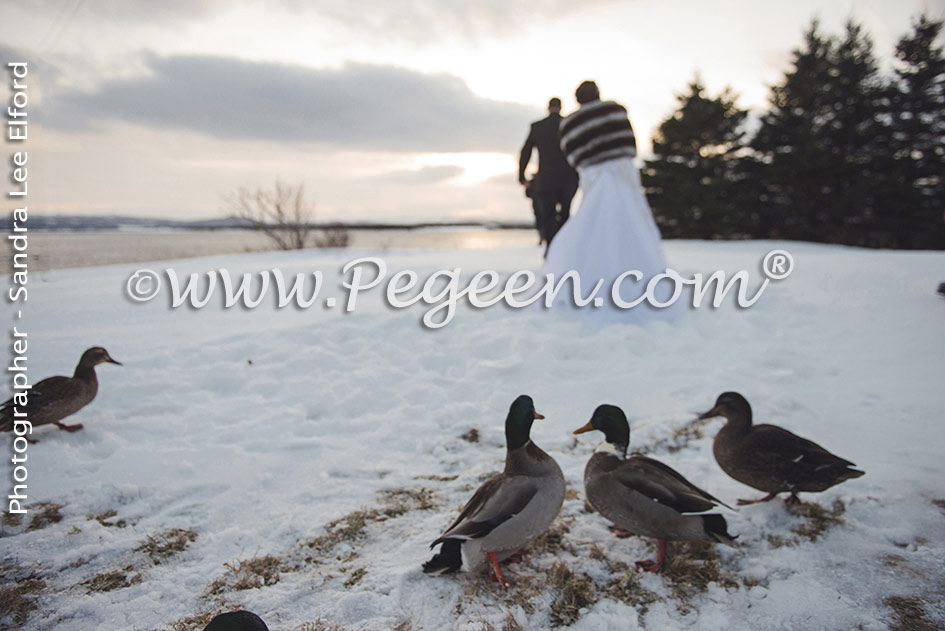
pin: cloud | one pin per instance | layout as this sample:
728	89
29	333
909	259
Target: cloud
10	55
416	21
424	21
358	106
423	175
129	10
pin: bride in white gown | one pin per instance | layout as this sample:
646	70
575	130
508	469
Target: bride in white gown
613	231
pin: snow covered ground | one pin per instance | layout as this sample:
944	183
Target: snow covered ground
297	463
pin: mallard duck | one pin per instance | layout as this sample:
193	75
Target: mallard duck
55	398
509	509
769	458
241	620
642	495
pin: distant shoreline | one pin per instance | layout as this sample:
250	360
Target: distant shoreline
70	248
99	223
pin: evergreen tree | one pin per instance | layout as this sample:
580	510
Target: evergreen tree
691	182
817	147
916	101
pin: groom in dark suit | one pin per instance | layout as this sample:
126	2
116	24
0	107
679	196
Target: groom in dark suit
556	182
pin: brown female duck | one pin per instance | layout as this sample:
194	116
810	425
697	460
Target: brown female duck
56	398
770	458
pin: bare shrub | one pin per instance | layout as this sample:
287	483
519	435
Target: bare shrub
281	213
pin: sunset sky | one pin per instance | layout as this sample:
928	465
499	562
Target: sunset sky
387	110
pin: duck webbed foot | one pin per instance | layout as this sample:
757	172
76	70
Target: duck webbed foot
653	566
620	533
766	498
793	499
69	428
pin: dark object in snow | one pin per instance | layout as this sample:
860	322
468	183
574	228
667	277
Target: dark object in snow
643	496
941	289
237	621
509	509
55	398
770	458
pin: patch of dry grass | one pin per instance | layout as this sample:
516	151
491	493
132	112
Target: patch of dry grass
522	590
105	519
11	520
893	560
909	614
351	527
320	625
778	541
626	586
817	519
247	574
355	577
691	566
19	590
167	543
44	514
472	436
397	502
201	620
553	539
572	592
511	624
436	478
109	581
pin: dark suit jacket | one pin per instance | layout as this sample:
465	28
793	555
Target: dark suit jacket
554	172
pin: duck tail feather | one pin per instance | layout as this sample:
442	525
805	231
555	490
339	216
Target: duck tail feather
716	529
449	559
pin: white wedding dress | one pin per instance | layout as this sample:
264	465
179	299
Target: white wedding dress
612	232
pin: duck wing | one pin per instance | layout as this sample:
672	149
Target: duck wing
64	394
499	499
665	485
777	449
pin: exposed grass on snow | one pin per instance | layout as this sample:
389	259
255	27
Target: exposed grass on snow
320	625
166	544
45	514
37	516
817	519
105	519
247	574
909	614
352	527
573	591
523	590
625	585
437	478
355	577
109	581
19	590
691	566
553	539
200	620
400	501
